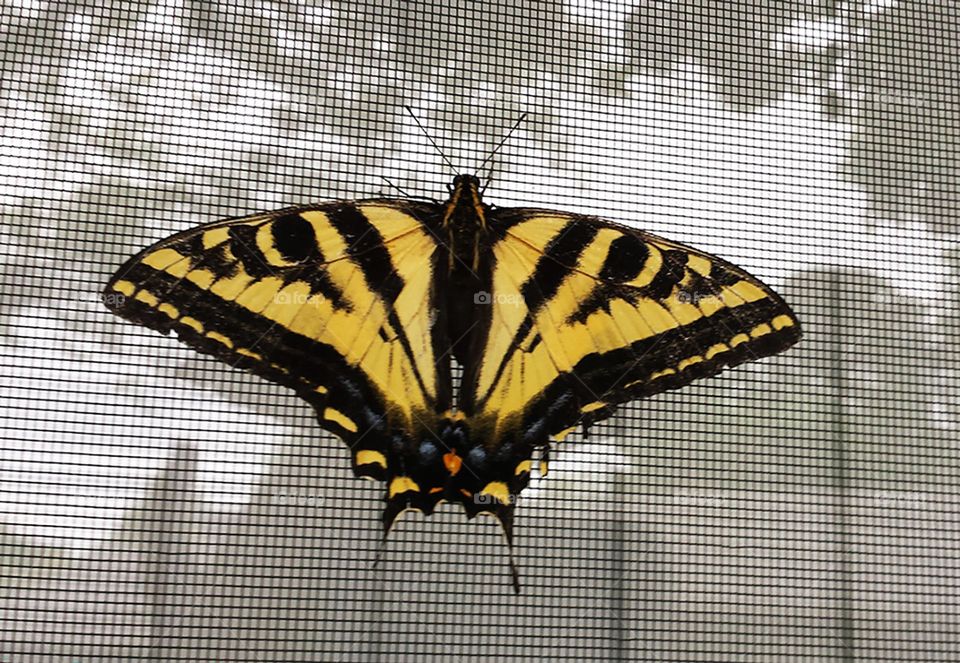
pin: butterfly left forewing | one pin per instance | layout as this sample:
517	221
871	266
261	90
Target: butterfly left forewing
334	301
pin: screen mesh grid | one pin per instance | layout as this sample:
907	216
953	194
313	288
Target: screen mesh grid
157	505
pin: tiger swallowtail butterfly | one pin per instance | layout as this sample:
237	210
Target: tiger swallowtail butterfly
362	308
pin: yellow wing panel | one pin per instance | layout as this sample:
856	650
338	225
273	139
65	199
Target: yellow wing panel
624	314
268	287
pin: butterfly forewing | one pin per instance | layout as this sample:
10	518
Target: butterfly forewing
334	300
587	314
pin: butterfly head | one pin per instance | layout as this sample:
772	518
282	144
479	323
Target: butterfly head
466	182
465	211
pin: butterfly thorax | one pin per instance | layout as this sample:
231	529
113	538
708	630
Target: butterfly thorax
464	222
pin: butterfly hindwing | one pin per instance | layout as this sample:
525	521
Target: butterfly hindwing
335	301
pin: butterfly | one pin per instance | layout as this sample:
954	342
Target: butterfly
364	308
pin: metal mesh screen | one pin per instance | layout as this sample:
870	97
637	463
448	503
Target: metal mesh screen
155	505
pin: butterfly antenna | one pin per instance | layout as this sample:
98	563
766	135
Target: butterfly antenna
501	143
388	181
432	141
487	179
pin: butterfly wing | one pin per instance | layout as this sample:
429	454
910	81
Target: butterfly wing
336	301
586	314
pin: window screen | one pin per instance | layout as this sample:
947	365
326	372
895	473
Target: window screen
157	505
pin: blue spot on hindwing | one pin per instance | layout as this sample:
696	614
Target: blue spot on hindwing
427	452
477	457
